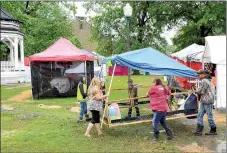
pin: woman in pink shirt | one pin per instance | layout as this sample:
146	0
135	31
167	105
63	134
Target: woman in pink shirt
158	104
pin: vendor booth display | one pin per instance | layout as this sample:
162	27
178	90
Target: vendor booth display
54	71
190	56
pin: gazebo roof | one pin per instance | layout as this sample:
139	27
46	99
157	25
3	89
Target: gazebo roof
4	15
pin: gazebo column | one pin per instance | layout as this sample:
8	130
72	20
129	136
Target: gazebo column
16	53
22	53
11	53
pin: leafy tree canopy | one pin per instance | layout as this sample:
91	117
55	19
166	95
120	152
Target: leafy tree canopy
43	23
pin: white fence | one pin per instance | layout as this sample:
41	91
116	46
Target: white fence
9	66
11	74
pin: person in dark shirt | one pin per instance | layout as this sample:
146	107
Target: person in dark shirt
133	94
208	75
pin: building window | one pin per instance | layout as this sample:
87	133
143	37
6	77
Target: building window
81	25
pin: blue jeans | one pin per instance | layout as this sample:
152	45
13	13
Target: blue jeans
83	108
159	117
206	108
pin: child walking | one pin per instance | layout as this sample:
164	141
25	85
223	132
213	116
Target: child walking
133	91
81	97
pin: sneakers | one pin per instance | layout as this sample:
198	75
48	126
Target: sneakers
80	119
87	116
199	130
156	136
169	134
212	131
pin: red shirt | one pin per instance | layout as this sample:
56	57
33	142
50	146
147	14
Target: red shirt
158	98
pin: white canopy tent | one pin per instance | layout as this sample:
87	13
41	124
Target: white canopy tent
193	52
76	68
215	52
100	66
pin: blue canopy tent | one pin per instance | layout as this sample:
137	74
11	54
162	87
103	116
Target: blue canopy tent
151	60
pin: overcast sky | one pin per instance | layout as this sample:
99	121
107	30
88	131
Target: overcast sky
81	12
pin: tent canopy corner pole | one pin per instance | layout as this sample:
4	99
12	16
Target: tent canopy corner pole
31	79
85	71
108	93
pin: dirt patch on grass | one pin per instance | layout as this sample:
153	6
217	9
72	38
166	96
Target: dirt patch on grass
75	109
28	116
22	97
49	106
8	133
219	118
6	108
193	148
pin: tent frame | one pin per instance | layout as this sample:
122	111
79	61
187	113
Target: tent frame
106	109
108	120
190	58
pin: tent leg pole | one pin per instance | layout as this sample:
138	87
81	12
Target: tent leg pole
129	70
100	73
108	97
85	71
31	78
129	73
108	116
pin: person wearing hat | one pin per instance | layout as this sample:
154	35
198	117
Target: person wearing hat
208	74
81	97
133	94
206	93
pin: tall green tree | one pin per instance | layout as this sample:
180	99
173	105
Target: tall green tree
43	23
201	19
195	19
3	54
109	28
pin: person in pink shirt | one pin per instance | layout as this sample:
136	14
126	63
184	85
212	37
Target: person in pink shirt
158	104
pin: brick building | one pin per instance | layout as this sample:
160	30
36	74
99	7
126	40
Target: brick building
83	33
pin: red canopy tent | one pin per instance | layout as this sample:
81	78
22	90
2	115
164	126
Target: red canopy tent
26	61
183	82
61	50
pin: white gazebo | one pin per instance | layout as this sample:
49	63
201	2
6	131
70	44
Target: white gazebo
12	70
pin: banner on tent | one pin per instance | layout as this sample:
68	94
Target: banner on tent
58	79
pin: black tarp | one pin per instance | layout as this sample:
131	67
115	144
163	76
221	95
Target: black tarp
49	79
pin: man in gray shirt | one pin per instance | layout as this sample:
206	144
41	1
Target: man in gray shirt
206	94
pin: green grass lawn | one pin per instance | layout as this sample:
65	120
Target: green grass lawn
10	91
121	82
32	129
